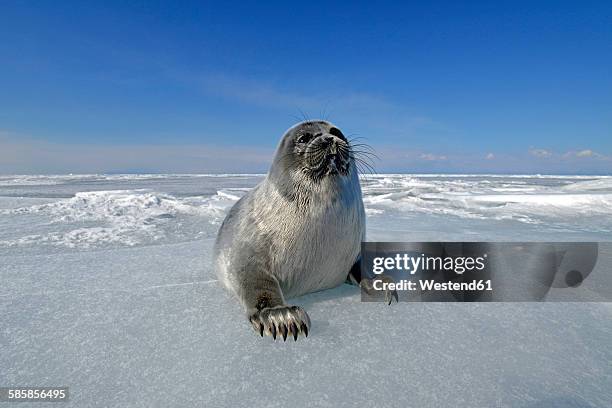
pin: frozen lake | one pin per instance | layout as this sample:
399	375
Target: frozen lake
107	288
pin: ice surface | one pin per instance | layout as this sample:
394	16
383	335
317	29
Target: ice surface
127	217
510	206
107	288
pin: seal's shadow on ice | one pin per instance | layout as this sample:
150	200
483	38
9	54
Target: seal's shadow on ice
299	231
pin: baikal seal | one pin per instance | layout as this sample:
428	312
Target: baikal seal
298	231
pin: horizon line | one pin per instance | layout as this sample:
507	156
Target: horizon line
451	174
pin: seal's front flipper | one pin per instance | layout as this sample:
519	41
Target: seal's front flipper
367	285
280	321
267	311
354	278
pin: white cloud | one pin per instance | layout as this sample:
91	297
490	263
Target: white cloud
490	156
366	112
582	155
585	153
432	157
269	94
542	153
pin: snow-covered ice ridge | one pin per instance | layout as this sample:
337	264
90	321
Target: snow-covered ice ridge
567	202
126	217
89	211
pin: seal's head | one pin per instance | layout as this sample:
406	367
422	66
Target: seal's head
316	149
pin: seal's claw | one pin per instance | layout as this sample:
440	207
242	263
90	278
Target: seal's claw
390	295
294	330
280	320
283	329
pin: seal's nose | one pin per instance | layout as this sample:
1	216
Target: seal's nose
332	146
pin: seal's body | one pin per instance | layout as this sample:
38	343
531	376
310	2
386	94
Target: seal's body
298	231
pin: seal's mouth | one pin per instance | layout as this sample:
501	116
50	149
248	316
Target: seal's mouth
334	164
328	157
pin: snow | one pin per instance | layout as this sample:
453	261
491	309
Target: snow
146	324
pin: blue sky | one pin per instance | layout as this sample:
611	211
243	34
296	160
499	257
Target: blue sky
493	87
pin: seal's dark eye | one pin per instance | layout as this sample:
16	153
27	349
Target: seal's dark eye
336	132
304	138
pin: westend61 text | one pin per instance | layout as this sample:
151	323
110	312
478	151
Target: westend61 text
428	285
